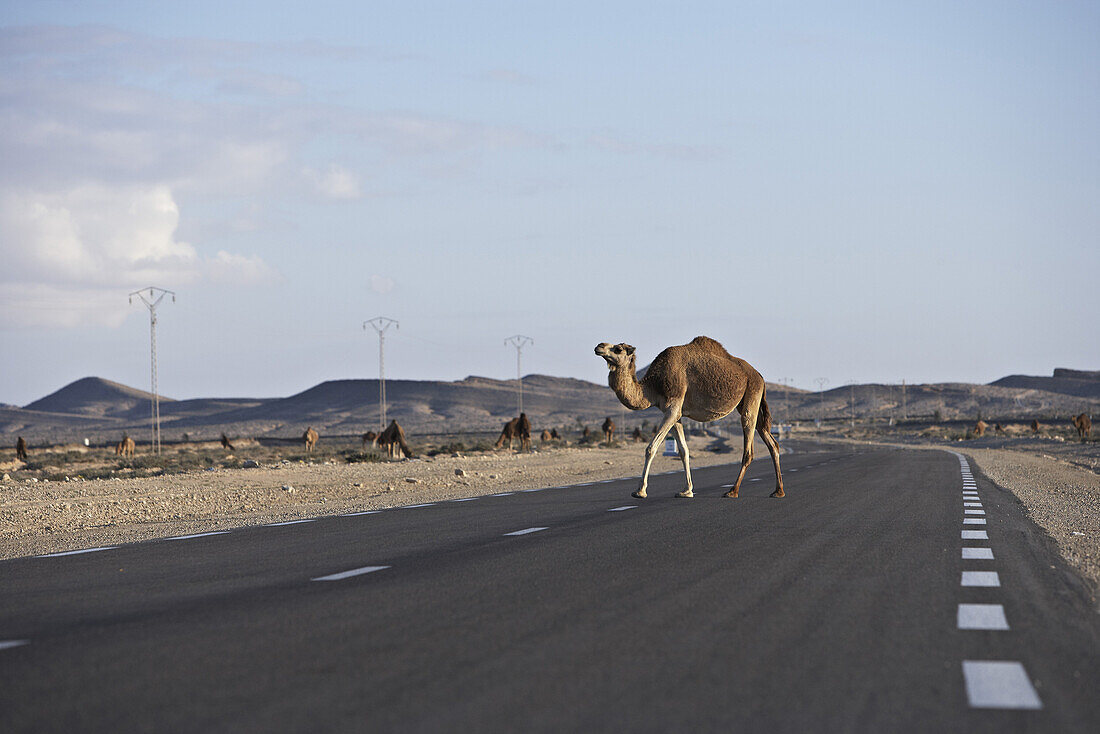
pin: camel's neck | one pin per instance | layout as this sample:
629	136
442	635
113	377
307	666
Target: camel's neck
629	391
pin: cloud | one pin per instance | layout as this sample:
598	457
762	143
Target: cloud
334	182
381	284
69	255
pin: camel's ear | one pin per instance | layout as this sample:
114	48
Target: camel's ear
629	349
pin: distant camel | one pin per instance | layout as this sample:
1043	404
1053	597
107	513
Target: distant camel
701	381
125	448
226	444
369	438
516	428
1000	430
554	434
609	430
1034	426
393	438
637	436
545	437
310	437
21	449
980	428
1083	424
584	434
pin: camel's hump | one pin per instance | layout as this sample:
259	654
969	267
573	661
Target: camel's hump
707	343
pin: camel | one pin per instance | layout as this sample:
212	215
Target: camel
310	437
1083	424
701	381
554	434
393	438
546	437
584	434
225	443
609	430
516	428
125	448
637	436
999	429
980	428
370	438
1034	426
20	449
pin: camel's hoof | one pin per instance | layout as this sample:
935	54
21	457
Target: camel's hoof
688	494
779	493
731	495
639	495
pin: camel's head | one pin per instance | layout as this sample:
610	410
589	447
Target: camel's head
617	355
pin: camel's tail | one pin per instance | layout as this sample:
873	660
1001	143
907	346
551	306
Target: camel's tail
764	417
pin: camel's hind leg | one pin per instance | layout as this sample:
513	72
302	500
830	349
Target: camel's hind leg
672	414
682	445
773	449
748	426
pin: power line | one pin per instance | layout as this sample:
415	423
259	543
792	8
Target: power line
156	295
380	324
519	341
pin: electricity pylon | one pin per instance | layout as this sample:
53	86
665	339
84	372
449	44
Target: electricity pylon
519	341
380	324
156	295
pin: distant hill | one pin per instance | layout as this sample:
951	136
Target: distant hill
1079	383
93	396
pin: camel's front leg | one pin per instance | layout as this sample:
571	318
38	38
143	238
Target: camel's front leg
681	441
672	414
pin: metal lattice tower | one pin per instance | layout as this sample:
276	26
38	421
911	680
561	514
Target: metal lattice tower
156	295
380	324
519	341
821	383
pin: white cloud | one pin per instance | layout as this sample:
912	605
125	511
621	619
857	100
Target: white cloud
70	254
381	284
335	182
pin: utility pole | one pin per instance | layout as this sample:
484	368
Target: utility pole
821	383
852	401
380	324
519	341
156	295
904	403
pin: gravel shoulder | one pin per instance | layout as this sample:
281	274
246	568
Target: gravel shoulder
49	517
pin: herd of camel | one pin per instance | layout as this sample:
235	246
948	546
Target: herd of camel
699	380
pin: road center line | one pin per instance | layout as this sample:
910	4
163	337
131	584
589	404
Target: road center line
975	535
8	644
624	507
974	512
973	521
526	531
977	554
348	574
980	578
982	617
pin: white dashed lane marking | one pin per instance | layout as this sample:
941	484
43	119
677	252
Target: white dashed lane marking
975	535
526	531
980	578
348	574
290	522
503	494
413	507
999	684
364	512
973	521
624	507
466	499
972	504
973	512
78	552
8	644
982	617
977	554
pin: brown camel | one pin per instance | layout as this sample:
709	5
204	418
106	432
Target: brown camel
310	437
393	438
1034	426
980	428
125	448
584	434
554	434
608	430
226	444
516	428
637	436
999	429
1083	424
20	449
701	381
546	436
370	438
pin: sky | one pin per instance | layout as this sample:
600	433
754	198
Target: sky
855	191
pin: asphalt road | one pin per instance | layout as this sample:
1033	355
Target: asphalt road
841	607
